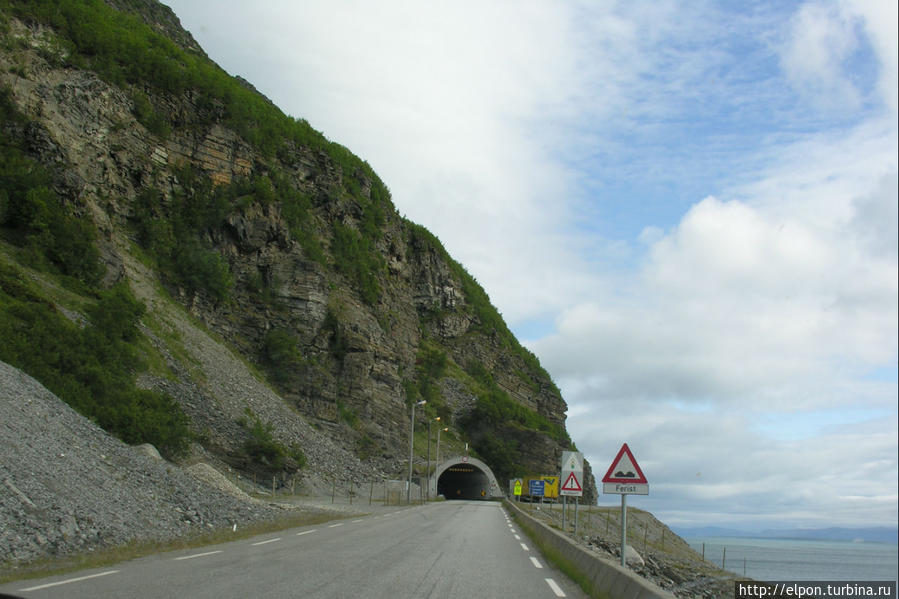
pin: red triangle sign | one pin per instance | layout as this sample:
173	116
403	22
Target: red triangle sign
572	484
625	469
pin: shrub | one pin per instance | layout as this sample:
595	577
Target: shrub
266	451
280	355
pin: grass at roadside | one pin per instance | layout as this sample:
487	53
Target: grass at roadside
106	556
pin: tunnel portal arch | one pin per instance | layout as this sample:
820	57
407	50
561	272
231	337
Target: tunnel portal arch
464	477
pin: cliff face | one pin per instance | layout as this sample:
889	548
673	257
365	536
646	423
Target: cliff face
349	311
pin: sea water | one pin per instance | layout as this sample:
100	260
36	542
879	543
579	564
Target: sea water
785	560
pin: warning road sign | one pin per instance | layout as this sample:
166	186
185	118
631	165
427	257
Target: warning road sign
572	486
572	474
624	475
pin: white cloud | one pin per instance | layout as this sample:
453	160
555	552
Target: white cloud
822	38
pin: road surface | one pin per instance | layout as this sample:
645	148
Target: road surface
453	549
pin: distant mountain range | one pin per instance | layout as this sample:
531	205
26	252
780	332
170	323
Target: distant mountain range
879	534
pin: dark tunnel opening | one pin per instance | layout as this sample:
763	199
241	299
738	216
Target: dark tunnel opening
463	481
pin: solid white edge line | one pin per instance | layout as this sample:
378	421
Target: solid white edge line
305	532
555	588
56	584
197	555
536	563
264	542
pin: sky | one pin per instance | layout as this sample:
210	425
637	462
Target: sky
687	210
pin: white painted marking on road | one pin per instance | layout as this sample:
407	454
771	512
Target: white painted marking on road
555	588
536	563
305	532
197	555
264	542
67	581
336	525
517	538
355	521
525	547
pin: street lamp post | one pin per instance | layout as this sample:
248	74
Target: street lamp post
411	447
444	429
428	494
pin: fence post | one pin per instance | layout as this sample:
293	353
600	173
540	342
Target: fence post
371	492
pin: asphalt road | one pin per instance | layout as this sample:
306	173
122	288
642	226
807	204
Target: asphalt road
453	549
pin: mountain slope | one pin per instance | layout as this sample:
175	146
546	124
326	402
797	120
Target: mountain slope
158	184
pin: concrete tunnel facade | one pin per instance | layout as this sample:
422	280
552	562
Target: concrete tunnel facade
464	477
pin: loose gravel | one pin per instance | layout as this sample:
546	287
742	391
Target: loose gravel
68	486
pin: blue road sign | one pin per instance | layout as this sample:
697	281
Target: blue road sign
536	488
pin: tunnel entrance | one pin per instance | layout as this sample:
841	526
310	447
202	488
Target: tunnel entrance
463	481
465	477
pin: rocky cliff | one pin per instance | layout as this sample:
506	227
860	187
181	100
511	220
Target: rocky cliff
258	246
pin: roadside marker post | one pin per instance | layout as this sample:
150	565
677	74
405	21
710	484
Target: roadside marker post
624	478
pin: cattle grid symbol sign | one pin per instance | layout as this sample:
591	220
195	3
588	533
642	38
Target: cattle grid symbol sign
572	474
624	476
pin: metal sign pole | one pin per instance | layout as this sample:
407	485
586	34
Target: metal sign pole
623	527
577	501
564	505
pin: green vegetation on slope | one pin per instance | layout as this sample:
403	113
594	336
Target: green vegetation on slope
33	217
495	411
490	321
90	367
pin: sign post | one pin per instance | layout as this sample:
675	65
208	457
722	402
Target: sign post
517	489
624	478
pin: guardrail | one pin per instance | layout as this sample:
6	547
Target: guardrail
604	577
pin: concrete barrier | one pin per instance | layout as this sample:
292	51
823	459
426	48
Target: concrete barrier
605	576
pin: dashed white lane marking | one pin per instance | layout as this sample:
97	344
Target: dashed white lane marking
525	547
197	555
517	538
305	532
265	542
79	579
354	521
336	525
536	563
555	588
